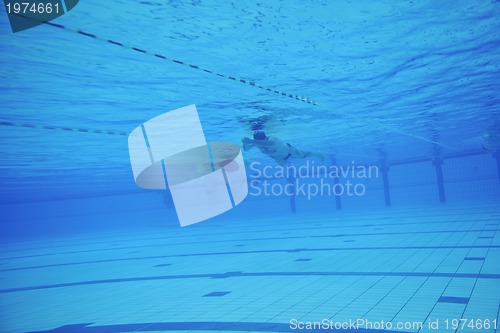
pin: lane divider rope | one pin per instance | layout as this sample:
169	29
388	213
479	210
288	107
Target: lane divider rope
62	128
186	64
240	80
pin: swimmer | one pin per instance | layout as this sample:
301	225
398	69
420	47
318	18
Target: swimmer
276	149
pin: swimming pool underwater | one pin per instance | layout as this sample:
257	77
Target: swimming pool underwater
407	89
403	267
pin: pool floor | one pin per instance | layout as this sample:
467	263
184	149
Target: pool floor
414	268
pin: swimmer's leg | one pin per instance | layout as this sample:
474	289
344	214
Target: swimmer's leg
305	154
282	163
247	144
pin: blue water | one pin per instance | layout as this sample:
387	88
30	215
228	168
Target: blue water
410	87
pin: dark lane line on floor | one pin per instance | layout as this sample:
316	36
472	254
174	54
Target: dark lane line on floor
374	224
306	227
260	252
252	239
255	274
196	326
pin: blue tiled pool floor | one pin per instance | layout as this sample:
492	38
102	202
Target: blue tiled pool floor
404	266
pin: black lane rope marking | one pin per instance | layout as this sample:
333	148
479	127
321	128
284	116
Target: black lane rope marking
160	56
61	128
197	326
239	274
295	226
334	249
296	97
242	240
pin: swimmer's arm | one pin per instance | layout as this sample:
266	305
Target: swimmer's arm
260	143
